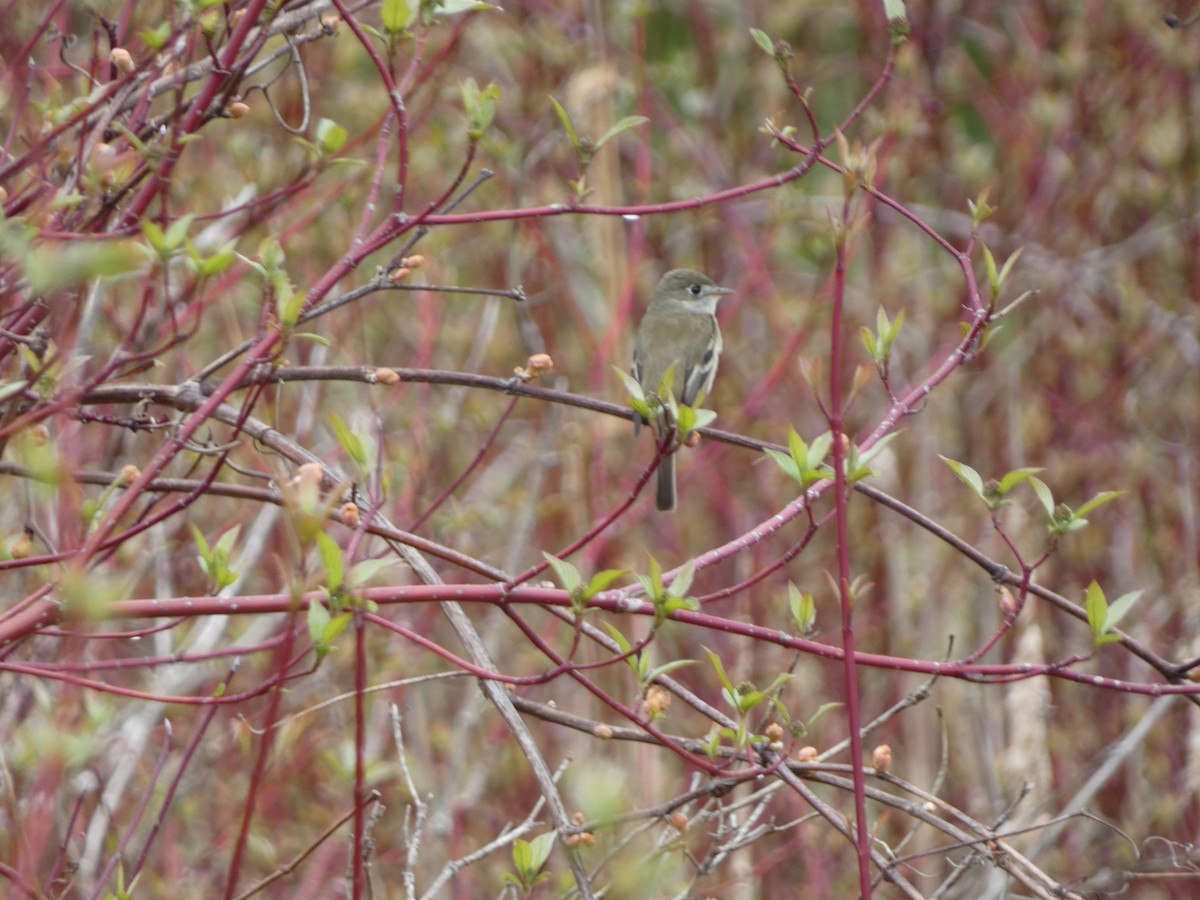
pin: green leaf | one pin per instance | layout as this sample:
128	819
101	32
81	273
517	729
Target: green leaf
674	604
785	462
454	7
624	125
397	15
567	574
764	42
867	455
227	541
540	849
868	339
666	668
334	627
656	581
480	107
702	419
177	232
364	571
600	582
331	136
289	301
201	543
819	449
154	236
1015	477
632	386
310	336
522	854
1096	607
622	641
803	608
1008	264
683	581
1099	500
350	442
1043	495
968	475
318	619
271	255
566	122
796	445
1119	607
990	263
821	710
155	38
716	663
332	560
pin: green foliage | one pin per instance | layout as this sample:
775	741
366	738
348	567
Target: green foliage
331	137
997	278
123	891
332	561
397	15
1102	617
572	581
480	106
528	858
214	561
1060	518
804	463
642	662
324	628
879	342
353	445
743	698
804	611
667	600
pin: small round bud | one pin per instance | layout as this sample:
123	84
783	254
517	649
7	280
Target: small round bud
310	472
129	474
882	758
121	58
398	275
1008	603
680	821
350	514
603	732
807	754
386	376
578	818
657	702
413	262
774	732
22	548
237	110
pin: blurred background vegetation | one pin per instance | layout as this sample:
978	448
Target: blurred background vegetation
1081	123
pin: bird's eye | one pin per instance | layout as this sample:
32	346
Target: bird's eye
695	289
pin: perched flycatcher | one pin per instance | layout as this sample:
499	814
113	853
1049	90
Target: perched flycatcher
679	328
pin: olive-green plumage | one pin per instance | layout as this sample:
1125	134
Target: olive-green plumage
680	328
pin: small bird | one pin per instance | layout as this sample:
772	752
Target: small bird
680	328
